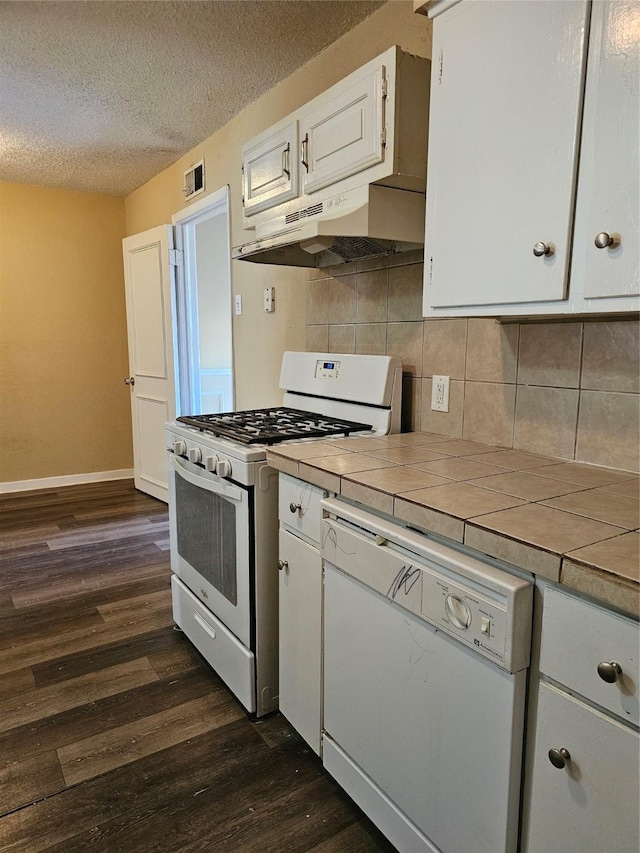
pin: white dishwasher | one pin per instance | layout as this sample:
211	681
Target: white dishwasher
425	657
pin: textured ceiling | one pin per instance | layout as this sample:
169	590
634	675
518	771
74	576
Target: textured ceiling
101	96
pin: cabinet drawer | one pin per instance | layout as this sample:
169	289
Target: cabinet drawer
577	636
299	507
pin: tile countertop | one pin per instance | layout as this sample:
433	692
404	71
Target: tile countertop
567	522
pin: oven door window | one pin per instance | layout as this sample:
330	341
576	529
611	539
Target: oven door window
207	536
211	535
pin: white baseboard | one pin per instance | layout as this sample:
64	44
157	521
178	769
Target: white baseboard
69	480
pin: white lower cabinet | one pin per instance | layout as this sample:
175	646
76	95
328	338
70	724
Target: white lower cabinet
300	603
591	804
300	637
582	767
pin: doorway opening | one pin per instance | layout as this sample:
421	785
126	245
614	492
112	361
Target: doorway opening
203	307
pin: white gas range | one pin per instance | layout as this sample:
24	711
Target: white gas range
223	507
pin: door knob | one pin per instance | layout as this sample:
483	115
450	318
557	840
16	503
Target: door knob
541	250
559	757
130	381
609	672
605	241
283	564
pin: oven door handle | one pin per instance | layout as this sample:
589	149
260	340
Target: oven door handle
204	480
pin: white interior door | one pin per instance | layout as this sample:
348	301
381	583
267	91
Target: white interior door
148	286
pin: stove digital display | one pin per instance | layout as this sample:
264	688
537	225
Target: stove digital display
327	369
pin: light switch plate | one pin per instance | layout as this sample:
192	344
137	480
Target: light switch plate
238	304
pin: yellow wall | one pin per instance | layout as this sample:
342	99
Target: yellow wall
260	338
63	346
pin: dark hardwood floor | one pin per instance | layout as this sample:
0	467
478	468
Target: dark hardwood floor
114	733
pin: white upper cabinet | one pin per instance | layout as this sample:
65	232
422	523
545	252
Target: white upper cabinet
370	128
607	206
268	178
345	135
520	183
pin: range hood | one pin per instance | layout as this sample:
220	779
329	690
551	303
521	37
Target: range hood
360	223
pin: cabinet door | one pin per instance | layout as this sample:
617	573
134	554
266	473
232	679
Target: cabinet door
608	187
591	805
506	98
301	637
345	135
270	169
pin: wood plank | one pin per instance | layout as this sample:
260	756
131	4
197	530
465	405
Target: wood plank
148	565
167	650
189	804
16	682
132	794
44	702
53	732
360	837
108	750
28	781
74	641
123	610
22	626
104	533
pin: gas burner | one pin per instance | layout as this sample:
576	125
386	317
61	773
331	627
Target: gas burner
269	426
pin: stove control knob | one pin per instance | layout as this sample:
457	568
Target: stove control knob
223	468
180	447
210	463
195	455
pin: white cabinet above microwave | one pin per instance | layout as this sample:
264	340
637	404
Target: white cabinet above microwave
370	128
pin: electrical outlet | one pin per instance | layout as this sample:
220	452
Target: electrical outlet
238	304
440	393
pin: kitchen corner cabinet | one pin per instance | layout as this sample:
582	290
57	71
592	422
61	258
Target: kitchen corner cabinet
583	771
532	186
300	603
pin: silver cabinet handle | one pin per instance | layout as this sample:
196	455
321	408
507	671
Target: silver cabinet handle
130	381
285	160
609	672
605	241
304	152
295	507
283	564
559	757
541	250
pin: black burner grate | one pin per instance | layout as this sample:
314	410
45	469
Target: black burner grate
269	426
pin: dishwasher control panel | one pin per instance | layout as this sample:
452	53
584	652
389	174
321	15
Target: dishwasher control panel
473	618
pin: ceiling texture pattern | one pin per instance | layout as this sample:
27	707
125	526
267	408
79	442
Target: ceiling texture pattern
101	96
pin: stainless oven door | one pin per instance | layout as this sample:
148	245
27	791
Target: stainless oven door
210	522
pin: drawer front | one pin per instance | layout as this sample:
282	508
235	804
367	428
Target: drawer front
231	660
577	637
299	507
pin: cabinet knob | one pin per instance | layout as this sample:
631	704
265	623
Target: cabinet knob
283	564
559	757
605	241
295	507
541	250
609	672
